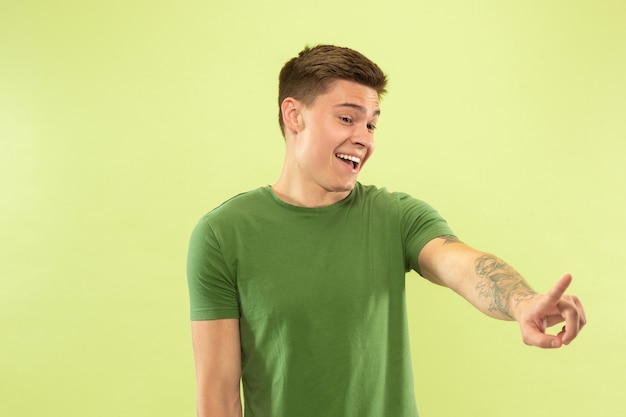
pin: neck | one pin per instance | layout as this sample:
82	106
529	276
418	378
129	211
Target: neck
296	194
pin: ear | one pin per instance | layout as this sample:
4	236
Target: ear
292	119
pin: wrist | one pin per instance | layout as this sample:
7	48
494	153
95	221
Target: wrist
519	302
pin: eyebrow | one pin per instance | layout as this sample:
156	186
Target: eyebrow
357	107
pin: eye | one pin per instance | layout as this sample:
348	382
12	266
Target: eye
346	119
371	127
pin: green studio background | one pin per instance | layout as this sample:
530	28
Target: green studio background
122	122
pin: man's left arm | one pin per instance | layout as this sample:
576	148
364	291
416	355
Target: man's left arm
496	289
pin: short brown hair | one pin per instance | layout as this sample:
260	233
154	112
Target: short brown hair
308	75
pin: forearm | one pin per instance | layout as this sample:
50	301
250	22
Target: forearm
487	282
218	405
499	289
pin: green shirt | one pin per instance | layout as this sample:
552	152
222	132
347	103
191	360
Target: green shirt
320	295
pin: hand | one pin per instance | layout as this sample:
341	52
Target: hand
544	311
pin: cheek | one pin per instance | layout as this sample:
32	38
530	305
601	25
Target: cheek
312	154
370	151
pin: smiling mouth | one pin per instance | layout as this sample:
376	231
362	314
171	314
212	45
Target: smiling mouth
354	161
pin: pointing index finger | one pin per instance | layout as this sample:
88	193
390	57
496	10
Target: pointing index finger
558	289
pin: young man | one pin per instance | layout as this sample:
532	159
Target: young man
297	290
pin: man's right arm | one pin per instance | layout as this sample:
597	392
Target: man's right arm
217	354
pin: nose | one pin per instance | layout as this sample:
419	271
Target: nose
364	137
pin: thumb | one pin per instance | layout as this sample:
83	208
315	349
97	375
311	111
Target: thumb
533	336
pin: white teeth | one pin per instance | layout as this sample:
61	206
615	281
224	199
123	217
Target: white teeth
349	157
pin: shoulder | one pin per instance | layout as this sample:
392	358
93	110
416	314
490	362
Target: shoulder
239	204
232	211
382	195
411	212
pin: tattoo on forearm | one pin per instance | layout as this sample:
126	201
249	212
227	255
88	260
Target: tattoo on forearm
502	284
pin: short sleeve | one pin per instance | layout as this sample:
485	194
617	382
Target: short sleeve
420	224
211	279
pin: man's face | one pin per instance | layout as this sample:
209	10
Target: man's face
337	137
